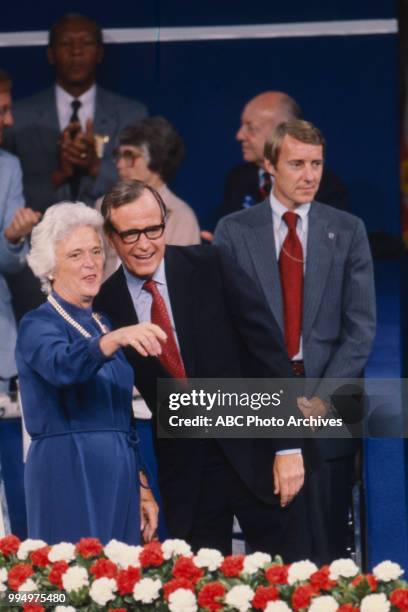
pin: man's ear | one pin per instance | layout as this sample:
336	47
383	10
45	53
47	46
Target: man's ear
109	240
269	167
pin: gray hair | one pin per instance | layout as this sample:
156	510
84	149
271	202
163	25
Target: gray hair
58	222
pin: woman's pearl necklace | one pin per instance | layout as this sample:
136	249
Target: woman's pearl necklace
61	311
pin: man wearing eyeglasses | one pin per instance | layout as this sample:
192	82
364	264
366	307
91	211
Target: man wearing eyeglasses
217	326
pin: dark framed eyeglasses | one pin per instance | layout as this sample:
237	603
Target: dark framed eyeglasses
131	236
129	157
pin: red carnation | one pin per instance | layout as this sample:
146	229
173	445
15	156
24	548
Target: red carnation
232	566
151	555
302	596
104	568
348	608
117	610
9	545
184	567
127	579
263	595
320	580
210	595
19	574
277	574
399	599
176	583
369	578
39	557
33	608
57	571
89	547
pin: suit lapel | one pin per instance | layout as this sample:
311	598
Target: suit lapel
123	305
105	119
320	249
46	118
261	245
179	277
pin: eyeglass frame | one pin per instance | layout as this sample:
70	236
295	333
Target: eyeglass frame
135	232
128	156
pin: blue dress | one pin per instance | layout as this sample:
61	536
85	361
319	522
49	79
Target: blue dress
81	477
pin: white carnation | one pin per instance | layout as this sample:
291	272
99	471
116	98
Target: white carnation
103	590
302	570
277	606
28	546
387	570
253	563
344	568
75	578
3	579
240	597
208	557
147	590
325	603
123	554
171	548
28	586
64	609
375	603
182	600
62	552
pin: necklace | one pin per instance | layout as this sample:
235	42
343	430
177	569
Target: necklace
61	311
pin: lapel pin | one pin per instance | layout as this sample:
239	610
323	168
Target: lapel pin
331	235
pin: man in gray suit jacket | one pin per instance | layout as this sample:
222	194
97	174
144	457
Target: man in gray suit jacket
15	223
64	136
314	266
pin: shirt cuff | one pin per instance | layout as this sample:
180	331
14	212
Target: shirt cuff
289	451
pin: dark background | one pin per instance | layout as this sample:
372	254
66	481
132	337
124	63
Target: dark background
347	85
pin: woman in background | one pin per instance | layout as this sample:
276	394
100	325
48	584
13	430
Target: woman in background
83	472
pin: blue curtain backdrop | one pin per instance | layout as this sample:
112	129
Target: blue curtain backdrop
347	85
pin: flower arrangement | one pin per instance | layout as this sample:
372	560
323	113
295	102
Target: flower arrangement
88	577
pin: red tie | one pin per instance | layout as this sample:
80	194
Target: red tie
291	275
170	357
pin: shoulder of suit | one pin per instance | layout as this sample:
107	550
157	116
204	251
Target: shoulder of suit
247	216
125	104
339	217
9	159
40	99
244	169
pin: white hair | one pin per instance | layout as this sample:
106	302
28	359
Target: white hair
57	223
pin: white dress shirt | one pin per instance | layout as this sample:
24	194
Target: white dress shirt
64	108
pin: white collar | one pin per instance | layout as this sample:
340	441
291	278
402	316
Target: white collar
278	209
88	97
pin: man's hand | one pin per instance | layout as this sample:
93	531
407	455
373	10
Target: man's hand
21	224
76	150
206	235
288	476
314	407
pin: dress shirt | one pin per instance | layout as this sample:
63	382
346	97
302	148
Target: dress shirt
64	108
142	300
280	230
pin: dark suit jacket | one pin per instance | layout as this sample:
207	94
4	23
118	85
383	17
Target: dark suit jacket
225	330
34	140
242	190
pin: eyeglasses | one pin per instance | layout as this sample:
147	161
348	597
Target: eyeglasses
131	236
129	157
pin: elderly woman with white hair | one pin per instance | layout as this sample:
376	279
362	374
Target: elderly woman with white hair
83	473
